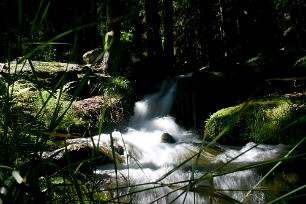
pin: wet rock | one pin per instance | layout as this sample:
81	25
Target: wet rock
119	149
93	56
45	74
81	153
167	138
90	110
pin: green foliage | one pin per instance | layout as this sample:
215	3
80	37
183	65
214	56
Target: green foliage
126	36
30	114
117	87
40	35
28	100
64	191
258	63
101	18
30	118
301	62
57	103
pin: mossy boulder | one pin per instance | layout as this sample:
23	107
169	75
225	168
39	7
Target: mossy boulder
49	110
91	110
62	98
47	74
57	111
50	75
271	119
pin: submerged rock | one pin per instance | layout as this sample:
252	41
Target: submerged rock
167	138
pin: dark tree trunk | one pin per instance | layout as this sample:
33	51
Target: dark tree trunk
113	12
153	29
4	10
168	32
208	20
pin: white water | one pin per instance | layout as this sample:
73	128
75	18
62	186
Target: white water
147	160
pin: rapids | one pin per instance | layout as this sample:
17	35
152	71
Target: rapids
187	171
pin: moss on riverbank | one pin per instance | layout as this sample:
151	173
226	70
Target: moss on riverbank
271	119
41	108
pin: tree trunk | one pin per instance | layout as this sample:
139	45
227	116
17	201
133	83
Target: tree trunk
113	28
153	29
168	32
208	18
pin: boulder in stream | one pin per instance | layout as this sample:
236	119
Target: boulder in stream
83	157
167	138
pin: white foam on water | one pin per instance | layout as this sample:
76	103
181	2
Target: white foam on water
148	158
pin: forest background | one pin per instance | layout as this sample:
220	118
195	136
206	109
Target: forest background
178	36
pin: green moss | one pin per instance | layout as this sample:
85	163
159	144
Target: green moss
262	120
53	108
45	108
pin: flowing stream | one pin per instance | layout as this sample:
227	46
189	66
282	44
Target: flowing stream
164	163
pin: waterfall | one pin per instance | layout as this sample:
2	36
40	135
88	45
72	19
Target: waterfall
156	105
155	171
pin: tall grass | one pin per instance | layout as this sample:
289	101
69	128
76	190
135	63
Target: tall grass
23	138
